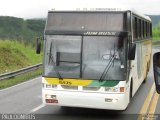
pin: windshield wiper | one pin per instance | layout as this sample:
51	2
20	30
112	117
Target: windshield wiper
111	61
52	60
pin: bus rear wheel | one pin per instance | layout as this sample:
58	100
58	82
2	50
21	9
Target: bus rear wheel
148	66
130	93
145	79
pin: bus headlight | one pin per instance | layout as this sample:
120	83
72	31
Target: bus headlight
114	89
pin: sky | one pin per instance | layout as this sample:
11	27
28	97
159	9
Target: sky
39	8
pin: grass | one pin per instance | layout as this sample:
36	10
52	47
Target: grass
156	32
156	38
15	55
19	79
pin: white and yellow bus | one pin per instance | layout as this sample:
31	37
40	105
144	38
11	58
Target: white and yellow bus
95	59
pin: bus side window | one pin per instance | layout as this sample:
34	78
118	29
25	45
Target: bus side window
135	31
139	28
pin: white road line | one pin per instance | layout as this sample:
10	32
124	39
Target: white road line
37	108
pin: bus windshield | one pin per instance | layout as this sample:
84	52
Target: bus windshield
87	57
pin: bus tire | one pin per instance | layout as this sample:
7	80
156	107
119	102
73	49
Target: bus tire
131	89
144	81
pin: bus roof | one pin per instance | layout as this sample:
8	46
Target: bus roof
78	21
140	14
105	10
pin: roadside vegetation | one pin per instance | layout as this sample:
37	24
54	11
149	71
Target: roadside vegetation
156	32
12	28
17	47
15	55
20	78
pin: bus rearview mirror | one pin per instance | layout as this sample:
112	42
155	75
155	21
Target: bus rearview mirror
132	51
38	45
156	70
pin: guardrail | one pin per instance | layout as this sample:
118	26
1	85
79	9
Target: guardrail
20	71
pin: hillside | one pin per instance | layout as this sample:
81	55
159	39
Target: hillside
15	55
20	29
155	19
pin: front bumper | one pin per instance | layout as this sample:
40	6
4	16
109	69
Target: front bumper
110	101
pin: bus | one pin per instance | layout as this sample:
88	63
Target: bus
95	59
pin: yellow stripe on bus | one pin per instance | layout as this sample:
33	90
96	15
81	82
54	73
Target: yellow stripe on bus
71	82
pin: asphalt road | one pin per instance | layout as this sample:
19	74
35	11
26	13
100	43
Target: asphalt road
26	98
21	98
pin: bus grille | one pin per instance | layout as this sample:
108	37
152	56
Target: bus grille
91	88
66	87
69	87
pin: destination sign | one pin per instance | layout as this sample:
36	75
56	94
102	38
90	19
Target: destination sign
88	33
100	33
